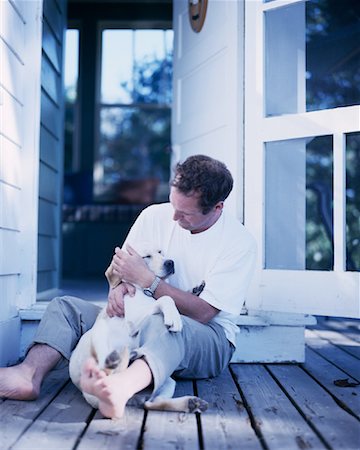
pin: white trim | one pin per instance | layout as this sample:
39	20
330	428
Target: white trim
275	4
314	123
30	149
339	213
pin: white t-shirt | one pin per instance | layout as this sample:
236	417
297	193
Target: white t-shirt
223	256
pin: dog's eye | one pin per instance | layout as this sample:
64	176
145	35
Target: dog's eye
159	251
147	257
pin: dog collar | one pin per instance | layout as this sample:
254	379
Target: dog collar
150	291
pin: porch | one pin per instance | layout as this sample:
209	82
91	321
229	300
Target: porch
252	406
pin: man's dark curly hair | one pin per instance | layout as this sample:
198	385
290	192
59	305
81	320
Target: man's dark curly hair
206	176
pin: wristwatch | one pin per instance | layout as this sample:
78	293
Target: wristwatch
149	291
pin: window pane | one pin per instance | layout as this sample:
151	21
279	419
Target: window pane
285	60
353	201
136	66
298	204
133	165
332	53
70	82
312	56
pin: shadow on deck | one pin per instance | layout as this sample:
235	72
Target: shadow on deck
314	405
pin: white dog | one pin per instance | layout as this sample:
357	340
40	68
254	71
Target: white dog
111	340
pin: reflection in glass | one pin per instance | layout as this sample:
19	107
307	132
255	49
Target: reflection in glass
133	165
312	56
128	57
298	204
71	69
353	202
332	53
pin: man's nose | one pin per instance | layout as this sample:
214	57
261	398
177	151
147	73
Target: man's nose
177	215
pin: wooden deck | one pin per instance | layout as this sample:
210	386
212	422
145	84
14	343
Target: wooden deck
252	406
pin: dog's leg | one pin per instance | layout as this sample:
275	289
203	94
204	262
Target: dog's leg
163	401
188	404
166	306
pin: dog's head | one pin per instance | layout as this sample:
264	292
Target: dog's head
158	264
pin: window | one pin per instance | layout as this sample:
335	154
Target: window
328	53
71	75
353	201
298	204
132	160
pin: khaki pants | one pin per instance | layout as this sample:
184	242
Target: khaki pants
198	351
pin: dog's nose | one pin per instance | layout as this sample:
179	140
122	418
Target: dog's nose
169	266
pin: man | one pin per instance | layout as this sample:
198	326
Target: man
210	249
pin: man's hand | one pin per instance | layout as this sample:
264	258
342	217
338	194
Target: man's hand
116	306
131	267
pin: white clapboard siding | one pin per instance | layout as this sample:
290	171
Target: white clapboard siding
207	88
12	72
10	167
20	52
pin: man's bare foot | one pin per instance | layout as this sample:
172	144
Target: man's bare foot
110	390
17	383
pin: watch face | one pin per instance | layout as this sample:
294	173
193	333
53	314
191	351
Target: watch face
148	292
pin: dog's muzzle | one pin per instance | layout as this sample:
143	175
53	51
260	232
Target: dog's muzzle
169	266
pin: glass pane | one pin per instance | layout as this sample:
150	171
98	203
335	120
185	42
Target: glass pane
136	66
71	73
133	165
285	60
332	53
353	201
298	204
312	56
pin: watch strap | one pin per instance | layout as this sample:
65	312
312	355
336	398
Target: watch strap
150	291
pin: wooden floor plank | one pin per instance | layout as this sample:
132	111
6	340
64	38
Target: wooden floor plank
17	416
349	327
327	374
340	340
346	362
110	434
226	424
167	430
280	424
60	424
340	430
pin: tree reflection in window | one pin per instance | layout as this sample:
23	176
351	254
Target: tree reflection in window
133	160
332	53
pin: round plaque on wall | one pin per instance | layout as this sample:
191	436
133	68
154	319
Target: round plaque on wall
197	14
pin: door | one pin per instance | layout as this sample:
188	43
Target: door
207	82
302	148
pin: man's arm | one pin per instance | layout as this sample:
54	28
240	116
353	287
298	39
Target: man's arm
130	266
187	303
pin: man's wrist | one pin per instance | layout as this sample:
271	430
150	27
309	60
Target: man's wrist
150	290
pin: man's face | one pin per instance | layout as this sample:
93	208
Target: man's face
187	212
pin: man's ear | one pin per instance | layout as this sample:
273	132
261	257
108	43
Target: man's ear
219	206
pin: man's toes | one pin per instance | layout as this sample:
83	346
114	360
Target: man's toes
196	404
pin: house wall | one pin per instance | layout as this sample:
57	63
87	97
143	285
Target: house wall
20	44
208	94
51	144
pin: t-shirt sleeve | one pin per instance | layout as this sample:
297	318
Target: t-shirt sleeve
228	281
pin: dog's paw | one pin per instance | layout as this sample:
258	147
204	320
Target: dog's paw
112	360
174	324
196	404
